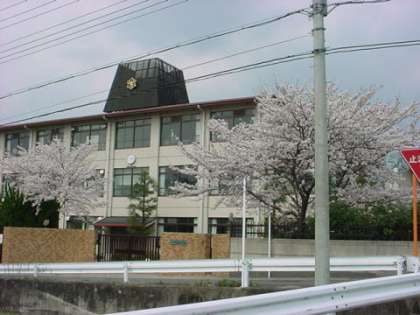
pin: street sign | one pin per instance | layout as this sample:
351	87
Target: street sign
412	157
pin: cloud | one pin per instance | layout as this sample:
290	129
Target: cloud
397	70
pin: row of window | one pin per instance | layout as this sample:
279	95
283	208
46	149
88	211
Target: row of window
132	133
126	178
232	226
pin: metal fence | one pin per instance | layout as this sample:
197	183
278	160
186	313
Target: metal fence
295	231
324	299
116	247
397	264
310	301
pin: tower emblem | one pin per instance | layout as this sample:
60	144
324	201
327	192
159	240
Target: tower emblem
131	83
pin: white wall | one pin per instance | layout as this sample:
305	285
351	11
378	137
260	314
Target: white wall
294	247
152	157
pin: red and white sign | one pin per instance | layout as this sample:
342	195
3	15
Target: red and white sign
412	157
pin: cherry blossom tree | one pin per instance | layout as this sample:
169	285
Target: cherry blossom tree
56	172
276	151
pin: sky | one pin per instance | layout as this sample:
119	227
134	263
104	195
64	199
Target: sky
396	72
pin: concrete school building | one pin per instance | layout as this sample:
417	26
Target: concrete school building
147	112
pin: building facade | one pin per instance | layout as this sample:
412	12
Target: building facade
143	139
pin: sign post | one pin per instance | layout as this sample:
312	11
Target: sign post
412	157
415	216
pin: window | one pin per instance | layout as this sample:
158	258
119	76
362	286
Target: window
133	134
180	225
185	129
233	118
45	136
17	140
233	226
168	177
89	134
219	225
124	180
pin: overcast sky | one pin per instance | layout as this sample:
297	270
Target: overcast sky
396	70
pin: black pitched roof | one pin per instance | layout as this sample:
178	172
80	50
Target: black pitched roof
146	83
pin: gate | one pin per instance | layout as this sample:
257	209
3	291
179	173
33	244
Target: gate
114	247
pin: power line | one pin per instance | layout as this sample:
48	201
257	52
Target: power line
54	112
81	24
184	68
55	105
38	15
23	12
257	65
193	41
252	66
382	45
335	5
62	23
95	31
75	26
244	52
13	5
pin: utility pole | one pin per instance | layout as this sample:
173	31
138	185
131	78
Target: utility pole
322	224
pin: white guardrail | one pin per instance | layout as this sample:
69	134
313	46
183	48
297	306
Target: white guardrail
314	300
397	264
307	301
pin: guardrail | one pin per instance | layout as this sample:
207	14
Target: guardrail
308	301
397	264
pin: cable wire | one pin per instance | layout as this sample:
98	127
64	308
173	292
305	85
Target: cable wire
81	24
39	14
252	66
95	31
257	65
243	52
62	23
13	5
23	12
335	5
404	43
157	51
55	105
182	68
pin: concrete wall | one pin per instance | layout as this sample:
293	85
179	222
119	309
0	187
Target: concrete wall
153	157
27	245
220	246
285	247
175	246
47	297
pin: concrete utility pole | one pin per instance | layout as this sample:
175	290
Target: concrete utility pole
322	224
243	217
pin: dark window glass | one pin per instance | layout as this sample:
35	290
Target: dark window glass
45	136
133	134
180	225
168	177
170	130
16	140
89	134
176	129
232	118
124	180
